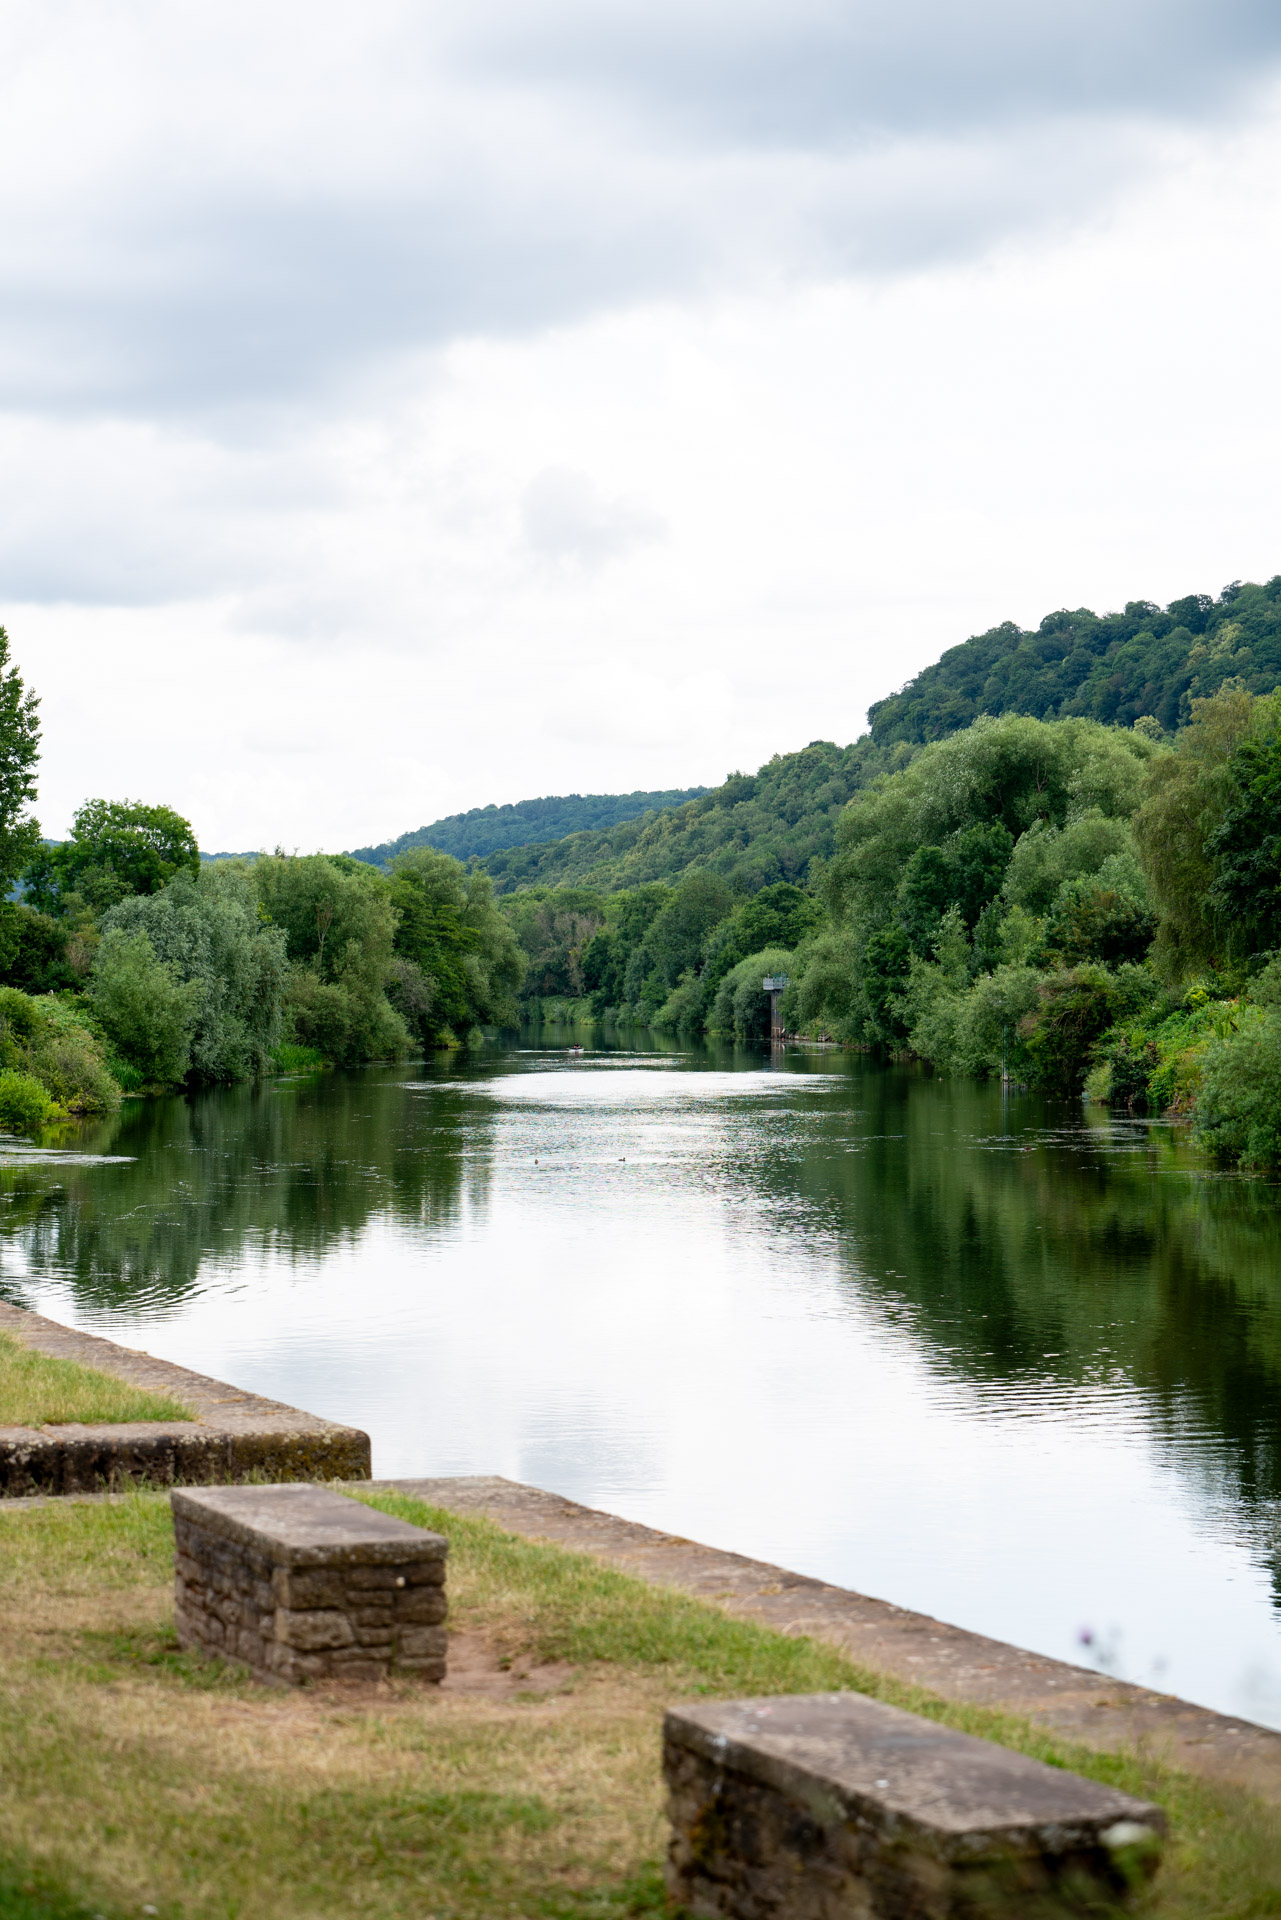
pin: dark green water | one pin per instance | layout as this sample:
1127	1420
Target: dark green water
1009	1362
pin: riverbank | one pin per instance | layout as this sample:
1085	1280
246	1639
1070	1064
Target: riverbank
138	1777
113	1416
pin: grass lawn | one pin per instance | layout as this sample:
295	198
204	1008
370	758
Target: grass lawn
135	1779
37	1390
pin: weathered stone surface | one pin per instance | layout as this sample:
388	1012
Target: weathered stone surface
1075	1703
825	1806
231	1436
279	1577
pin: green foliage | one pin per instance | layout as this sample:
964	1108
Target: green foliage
753	830
554	926
46	1039
146	1012
19	752
1244	848
1238	1109
117	848
1187	797
339	924
1116	668
25	1105
1073	1009
468	965
827	993
1014	773
287	1057
34	950
1100	918
741	1005
1047	857
208	935
485	830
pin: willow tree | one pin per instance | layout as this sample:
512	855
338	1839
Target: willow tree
1188	792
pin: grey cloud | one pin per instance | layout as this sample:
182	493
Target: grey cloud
814	72
567	517
492	169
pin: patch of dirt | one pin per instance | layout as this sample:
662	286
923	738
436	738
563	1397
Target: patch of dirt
475	1665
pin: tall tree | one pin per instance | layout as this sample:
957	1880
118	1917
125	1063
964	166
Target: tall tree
117	848
19	752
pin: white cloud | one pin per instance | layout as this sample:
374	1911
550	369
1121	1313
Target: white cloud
312	525
567	517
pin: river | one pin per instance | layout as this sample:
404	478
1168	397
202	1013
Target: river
1011	1362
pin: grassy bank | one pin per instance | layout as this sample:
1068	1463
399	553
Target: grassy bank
37	1390
137	1778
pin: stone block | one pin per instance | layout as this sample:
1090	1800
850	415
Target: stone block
302	1583
310	1632
836	1807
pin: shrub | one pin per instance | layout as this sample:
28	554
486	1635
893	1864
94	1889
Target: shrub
25	1106
1238	1104
47	1039
684	1008
288	1058
989	1026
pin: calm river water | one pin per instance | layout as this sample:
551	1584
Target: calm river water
1008	1362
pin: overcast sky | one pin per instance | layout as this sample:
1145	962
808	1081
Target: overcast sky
411	406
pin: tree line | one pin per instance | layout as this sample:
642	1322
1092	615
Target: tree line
1080	907
128	964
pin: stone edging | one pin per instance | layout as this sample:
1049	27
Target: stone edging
232	1436
1073	1702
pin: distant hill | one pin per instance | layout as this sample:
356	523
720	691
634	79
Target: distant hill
754	829
1113	667
486	830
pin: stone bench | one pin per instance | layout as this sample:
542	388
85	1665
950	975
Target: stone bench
303	1584
836	1807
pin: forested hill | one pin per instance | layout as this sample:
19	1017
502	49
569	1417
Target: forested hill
753	829
486	830
1113	667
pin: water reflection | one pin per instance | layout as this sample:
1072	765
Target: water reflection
300	1167
988	1356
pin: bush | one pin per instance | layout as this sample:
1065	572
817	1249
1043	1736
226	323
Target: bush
1238	1104
34	950
146	1012
684	1009
47	1039
989	1026
288	1058
25	1106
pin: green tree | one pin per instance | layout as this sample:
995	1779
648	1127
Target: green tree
1013	773
117	848
207	931
146	1012
1186	798
1244	849
19	752
339	924
450	930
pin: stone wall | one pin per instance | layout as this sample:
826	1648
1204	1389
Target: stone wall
837	1807
300	1583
